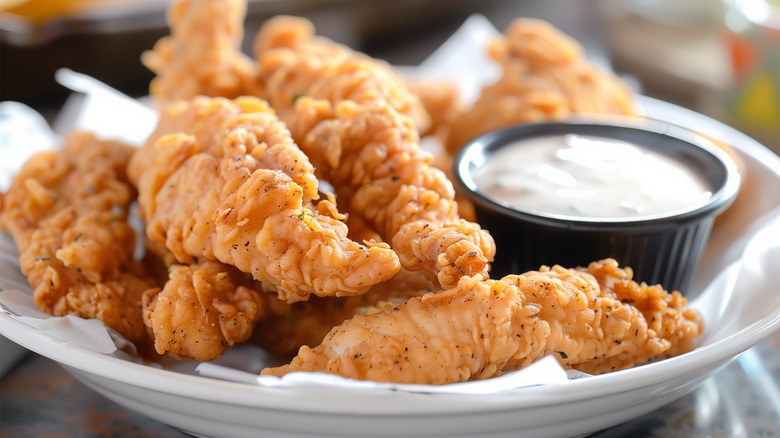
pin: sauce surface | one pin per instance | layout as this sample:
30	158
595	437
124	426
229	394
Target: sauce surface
589	177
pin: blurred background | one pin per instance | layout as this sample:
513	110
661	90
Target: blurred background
718	57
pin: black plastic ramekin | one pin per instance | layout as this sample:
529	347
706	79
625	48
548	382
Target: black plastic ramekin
662	249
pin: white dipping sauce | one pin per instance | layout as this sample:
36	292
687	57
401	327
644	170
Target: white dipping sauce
589	177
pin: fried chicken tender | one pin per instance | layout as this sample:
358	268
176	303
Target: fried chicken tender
294	62
203	310
371	155
482	328
202	55
545	77
67	211
235	197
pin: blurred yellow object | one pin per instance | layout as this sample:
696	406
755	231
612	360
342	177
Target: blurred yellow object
753	41
41	11
758	102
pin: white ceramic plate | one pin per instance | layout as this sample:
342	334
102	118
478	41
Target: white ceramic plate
735	322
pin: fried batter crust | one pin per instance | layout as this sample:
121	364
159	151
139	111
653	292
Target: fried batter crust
203	310
209	121
202	55
482	328
234	198
360	124
67	211
545	77
307	322
294	62
372	157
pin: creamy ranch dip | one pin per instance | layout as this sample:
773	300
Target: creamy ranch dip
589	177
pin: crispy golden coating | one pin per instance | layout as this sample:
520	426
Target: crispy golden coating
236	198
672	327
442	101
307	322
209	120
482	328
371	155
294	62
545	77
202	56
67	211
203	310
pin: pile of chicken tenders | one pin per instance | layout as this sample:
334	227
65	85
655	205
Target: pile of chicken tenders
374	275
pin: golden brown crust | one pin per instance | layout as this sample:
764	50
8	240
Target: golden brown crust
307	322
371	155
202	56
243	197
67	211
545	77
294	62
482	328
203	310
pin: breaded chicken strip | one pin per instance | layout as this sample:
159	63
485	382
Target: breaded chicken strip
545	77
202	56
371	155
483	328
294	62
67	211
203	310
234	198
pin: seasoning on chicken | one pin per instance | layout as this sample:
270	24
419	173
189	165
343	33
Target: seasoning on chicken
371	155
482	328
67	211
294	62
203	310
307	322
208	120
237	197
